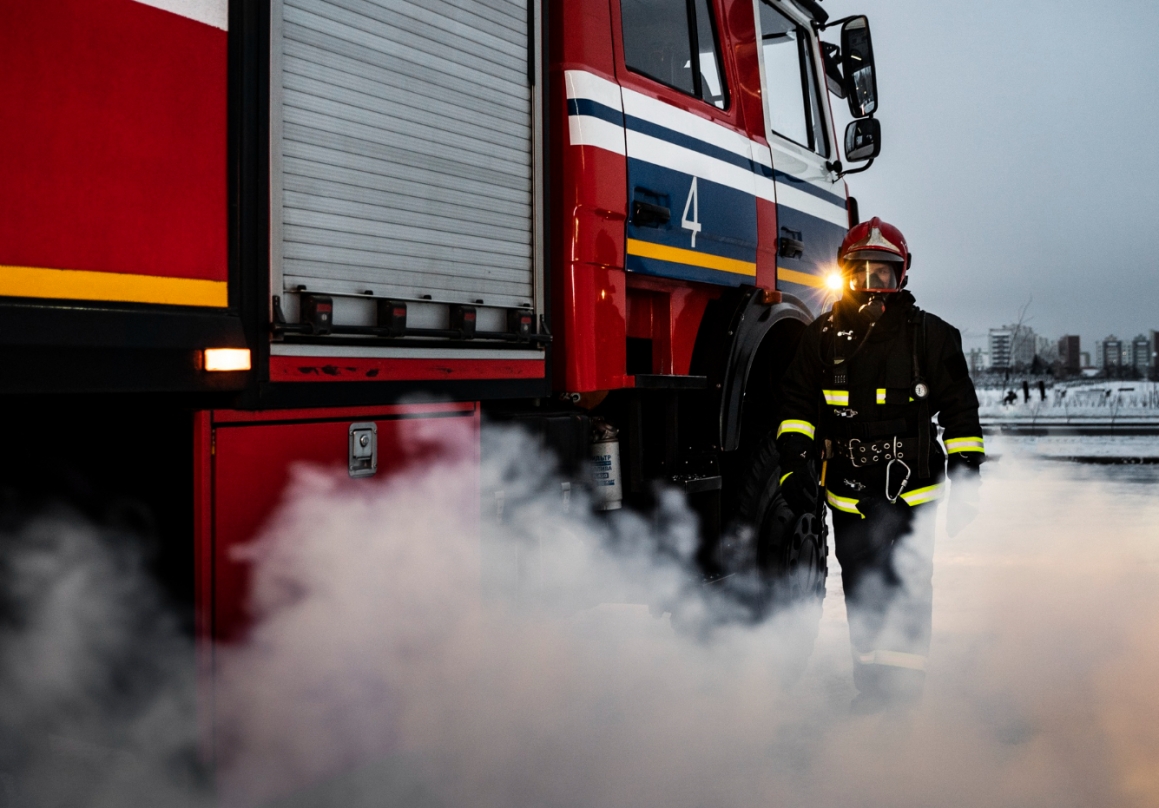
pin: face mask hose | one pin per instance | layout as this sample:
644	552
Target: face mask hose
872	309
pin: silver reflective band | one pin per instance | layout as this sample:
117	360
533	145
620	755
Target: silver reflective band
846	504
893	659
920	496
972	444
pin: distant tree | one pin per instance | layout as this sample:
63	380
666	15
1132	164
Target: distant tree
1017	339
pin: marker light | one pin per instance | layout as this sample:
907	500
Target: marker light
834	281
226	359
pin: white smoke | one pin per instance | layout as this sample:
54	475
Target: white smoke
96	684
398	658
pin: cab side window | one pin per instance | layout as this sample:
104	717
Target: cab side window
675	43
794	102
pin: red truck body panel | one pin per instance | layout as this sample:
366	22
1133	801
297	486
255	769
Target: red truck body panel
113	153
590	292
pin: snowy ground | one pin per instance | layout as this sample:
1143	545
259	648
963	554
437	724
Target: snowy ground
1103	402
1123	448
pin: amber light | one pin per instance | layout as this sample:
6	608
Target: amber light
834	281
217	359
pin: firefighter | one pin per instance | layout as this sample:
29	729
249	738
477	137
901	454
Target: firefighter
856	428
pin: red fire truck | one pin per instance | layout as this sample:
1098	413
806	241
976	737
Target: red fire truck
239	234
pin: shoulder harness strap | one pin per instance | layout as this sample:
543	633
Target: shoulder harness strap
921	390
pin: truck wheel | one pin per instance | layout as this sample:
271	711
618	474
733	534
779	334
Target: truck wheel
776	559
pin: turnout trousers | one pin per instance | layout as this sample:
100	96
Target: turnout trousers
886	563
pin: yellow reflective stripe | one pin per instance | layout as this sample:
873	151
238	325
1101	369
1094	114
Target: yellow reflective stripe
784	477
803	278
695	258
846	504
836	398
83	284
893	659
881	395
954	445
804	427
920	496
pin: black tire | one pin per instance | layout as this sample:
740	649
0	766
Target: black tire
772	557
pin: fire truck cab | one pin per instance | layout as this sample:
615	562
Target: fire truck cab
697	203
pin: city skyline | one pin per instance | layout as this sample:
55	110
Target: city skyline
1018	346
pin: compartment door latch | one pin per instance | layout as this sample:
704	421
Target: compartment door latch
363	449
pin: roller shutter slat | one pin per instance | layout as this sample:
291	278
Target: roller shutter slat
390	232
503	15
312	154
310	193
476	36
499	228
326	49
334	116
443	255
394	88
446	54
317	263
454	127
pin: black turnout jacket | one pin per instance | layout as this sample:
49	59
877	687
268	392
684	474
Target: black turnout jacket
872	396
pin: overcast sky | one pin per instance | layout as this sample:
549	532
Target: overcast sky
1020	159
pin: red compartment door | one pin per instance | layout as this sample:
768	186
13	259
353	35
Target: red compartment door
252	460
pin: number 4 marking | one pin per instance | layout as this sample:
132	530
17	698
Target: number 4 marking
692	202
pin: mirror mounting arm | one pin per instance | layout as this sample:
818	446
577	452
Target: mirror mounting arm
832	23
857	170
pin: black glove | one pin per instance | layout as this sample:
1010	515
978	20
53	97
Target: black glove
965	484
799	486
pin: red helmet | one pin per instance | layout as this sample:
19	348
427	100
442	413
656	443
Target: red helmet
866	248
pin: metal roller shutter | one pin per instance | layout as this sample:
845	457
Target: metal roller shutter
402	149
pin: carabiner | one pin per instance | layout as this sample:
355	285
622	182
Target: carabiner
904	482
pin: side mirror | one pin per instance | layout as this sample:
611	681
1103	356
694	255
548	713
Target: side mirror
863	139
857	65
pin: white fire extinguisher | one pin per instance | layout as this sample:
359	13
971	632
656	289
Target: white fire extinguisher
605	453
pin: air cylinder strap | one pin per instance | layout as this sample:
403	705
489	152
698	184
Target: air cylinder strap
919	346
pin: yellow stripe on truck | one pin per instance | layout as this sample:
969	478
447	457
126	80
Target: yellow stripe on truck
803	278
678	255
82	284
